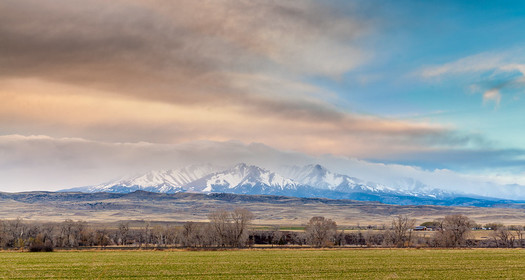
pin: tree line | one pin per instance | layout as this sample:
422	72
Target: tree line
450	231
224	229
229	229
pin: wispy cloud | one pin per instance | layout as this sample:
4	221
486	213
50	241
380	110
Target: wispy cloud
32	106
500	70
475	63
492	94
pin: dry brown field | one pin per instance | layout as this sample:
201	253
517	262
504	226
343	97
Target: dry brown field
283	211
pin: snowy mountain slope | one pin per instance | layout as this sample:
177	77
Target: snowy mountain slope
319	177
243	179
164	181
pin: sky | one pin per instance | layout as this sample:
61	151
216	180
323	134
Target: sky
388	91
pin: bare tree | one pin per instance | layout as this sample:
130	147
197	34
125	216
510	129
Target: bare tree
340	238
520	230
503	237
147	233
3	234
241	218
275	235
123	233
320	231
231	227
400	233
70	233
101	237
454	231
47	233
172	234
219	221
16	232
158	235
190	234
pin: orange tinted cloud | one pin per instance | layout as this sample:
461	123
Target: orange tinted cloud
30	105
170	72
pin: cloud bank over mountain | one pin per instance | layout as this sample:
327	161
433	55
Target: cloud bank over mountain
42	162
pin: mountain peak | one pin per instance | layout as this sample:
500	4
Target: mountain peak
240	165
318	170
243	167
242	178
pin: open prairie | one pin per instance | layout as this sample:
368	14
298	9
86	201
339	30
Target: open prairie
268	210
267	264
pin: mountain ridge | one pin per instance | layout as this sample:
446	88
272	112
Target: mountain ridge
309	181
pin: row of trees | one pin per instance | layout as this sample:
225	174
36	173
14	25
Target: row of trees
225	229
232	229
450	231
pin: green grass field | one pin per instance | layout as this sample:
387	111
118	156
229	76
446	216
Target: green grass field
267	264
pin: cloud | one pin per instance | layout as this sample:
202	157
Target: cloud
497	71
32	106
130	71
492	95
168	72
462	160
185	51
44	163
475	63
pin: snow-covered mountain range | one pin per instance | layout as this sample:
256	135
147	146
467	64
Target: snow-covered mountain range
305	181
243	179
161	181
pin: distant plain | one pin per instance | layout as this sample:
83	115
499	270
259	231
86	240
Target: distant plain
268	210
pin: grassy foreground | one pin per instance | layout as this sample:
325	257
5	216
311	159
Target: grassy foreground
267	264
